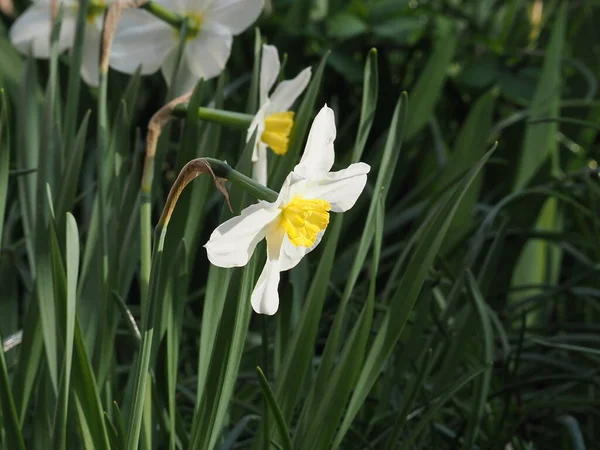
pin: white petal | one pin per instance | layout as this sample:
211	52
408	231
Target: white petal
237	15
265	299
233	242
32	30
208	53
291	254
288	91
292	185
318	155
269	69
259	167
186	80
341	189
141	40
91	56
184	6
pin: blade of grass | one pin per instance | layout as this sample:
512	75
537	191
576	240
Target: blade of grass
279	420
403	300
431	411
326	417
540	138
72	270
425	94
10	420
482	386
4	157
389	160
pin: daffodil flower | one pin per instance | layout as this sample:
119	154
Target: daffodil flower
294	224
273	121
143	40
31	32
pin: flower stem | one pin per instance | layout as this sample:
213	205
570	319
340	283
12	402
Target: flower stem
164	14
224	170
222	117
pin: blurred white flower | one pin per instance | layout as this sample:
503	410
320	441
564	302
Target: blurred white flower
294	224
31	32
273	121
144	40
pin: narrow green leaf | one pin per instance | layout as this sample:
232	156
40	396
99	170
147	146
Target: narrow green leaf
174	330
482	386
389	160
427	90
85	388
70	176
369	104
432	410
68	322
279	420
412	390
10	420
4	156
575	433
28	143
540	138
323	425
432	236
74	83
468	149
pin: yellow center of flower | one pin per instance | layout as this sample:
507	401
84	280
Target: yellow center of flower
277	131
95	9
303	219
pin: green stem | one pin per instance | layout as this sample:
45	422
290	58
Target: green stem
164	14
142	366
222	117
224	170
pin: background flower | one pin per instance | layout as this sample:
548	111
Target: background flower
31	32
273	122
144	40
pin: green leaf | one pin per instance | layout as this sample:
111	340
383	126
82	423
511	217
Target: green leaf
279	419
74	83
388	165
369	104
540	138
70	176
10	420
431	236
4	157
468	149
68	308
482	386
413	389
326	417
432	410
345	26
428	88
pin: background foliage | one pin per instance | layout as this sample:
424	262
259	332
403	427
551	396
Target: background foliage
455	306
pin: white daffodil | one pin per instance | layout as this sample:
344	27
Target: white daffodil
273	121
31	32
294	224
144	40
